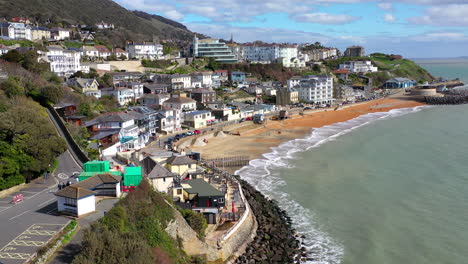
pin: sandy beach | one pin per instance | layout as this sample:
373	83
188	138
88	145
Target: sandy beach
260	138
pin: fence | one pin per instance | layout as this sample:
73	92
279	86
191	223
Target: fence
75	150
236	161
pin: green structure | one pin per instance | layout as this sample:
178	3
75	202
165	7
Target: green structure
94	167
132	176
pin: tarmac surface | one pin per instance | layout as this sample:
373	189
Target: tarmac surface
28	225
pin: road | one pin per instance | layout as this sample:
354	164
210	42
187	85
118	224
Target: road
30	224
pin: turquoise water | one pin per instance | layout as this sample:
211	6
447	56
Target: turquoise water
382	188
447	68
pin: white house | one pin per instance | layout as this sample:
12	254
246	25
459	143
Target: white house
169	120
144	50
90	52
120	53
80	198
62	62
181	102
161	178
104	52
76	201
4	49
124	94
181	81
59	33
15	30
315	89
359	66
269	53
205	78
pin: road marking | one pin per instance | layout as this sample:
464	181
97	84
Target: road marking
28	192
62	176
40	232
48	201
6	255
19	215
3	208
26	243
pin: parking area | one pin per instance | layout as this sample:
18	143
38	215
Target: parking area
28	193
23	247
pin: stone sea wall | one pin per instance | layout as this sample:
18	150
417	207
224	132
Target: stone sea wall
276	241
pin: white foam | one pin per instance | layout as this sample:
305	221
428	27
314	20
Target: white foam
261	174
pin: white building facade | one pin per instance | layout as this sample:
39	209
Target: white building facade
62	62
144	50
359	66
315	89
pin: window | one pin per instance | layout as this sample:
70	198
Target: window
221	200
179	191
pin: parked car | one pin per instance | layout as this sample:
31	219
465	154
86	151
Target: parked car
249	118
190	133
196	132
241	120
308	108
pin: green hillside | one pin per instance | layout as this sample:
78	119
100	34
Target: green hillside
388	68
134	25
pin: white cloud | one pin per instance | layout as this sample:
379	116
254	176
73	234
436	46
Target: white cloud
454	15
324	18
390	18
385	6
441	37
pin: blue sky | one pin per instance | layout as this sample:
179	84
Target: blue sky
413	28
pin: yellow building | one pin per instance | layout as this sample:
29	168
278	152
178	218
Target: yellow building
39	33
287	96
181	165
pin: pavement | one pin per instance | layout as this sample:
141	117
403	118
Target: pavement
30	224
69	251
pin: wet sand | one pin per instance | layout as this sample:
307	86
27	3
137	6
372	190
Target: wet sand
255	142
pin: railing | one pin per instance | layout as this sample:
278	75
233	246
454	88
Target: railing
75	150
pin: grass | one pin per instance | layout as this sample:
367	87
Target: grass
72	226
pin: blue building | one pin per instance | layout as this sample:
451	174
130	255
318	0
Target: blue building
399	83
237	76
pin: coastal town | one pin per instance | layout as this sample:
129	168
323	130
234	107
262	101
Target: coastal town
180	122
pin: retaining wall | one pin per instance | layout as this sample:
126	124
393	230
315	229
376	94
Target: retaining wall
75	150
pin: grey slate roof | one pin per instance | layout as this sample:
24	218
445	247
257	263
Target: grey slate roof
160	172
180	160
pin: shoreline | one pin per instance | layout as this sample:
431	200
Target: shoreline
260	140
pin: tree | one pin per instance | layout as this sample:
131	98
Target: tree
212	64
13	87
52	93
123	57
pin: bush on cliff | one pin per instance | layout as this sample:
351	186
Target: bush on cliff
133	232
195	220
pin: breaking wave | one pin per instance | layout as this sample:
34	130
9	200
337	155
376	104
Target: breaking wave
263	175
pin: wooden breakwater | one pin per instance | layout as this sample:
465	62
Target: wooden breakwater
235	161
452	97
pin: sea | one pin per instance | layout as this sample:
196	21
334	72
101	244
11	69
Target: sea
388	187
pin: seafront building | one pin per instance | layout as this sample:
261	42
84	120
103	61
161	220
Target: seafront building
317	89
15	30
213	48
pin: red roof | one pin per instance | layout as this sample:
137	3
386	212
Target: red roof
102	48
341	71
119	50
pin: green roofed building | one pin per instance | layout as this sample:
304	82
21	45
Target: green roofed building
132	176
95	167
